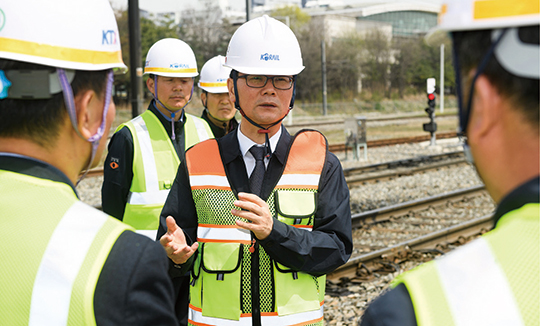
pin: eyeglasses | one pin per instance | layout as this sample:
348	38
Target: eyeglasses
259	81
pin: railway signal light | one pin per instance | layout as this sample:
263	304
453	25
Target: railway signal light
431	126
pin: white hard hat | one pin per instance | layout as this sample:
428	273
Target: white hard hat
214	75
461	15
69	34
171	57
264	46
515	56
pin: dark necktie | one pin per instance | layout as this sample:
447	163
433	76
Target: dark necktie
257	176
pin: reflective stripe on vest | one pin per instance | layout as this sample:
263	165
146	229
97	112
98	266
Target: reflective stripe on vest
153	175
491	281
73	242
229	233
476	268
303	318
223	243
64	255
203	131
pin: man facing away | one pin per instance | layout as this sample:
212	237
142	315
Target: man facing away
258	217
494	280
63	262
145	152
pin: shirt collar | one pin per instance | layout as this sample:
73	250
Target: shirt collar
246	143
528	192
33	167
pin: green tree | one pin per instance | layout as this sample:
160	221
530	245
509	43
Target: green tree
151	32
206	32
344	67
415	62
292	15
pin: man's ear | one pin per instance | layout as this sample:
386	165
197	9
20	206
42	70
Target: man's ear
89	111
230	86
486	108
150	84
203	98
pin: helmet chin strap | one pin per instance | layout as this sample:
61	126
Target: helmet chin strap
262	130
70	107
173	136
224	122
465	109
205	104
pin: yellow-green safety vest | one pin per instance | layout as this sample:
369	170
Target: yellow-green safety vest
54	248
494	280
220	292
155	163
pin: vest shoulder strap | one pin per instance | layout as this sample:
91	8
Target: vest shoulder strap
204	159
307	153
196	130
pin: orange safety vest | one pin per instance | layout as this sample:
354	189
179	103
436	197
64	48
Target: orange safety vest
222	269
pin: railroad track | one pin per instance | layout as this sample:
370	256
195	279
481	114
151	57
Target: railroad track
390	170
385	236
336	148
341	121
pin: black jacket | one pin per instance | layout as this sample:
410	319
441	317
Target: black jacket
317	253
219	131
395	306
118	166
133	287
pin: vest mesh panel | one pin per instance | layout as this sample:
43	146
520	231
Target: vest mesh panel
214	199
246	281
19	273
213	207
516	244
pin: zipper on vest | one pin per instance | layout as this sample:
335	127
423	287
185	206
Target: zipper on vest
255	295
252	248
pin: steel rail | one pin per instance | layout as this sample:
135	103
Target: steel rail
356	180
388	212
372	260
408	162
96	172
341	121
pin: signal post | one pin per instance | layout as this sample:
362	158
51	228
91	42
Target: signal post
431	126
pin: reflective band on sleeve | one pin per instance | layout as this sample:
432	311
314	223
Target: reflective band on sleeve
147	154
304	318
148	198
487	9
152	234
223	233
303	227
61	262
476	287
201	130
209	181
299	179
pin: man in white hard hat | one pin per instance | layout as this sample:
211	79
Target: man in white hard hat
145	152
63	262
257	216
494	280
218	108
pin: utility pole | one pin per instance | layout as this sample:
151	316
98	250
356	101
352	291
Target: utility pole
248	10
323	65
135	57
441	89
